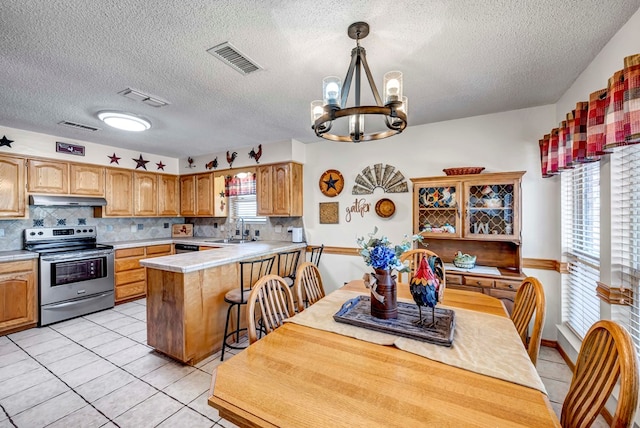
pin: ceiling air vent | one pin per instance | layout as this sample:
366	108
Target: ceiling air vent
234	58
77	126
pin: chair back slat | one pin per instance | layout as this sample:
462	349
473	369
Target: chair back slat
530	299
316	253
273	297
288	263
251	271
607	355
308	286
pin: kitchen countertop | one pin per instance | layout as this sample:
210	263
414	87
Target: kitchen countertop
225	254
17	255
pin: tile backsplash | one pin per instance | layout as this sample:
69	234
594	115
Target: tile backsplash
127	229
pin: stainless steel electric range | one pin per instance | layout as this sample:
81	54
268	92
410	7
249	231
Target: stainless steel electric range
76	274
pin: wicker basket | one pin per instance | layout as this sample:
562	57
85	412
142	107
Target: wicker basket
464	261
462	170
464	265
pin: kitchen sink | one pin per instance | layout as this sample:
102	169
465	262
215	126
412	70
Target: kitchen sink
228	241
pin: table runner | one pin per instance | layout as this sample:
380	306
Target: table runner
483	343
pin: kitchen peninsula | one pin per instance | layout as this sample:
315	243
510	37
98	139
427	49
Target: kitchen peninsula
186	310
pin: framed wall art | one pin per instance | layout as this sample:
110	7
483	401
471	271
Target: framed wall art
329	212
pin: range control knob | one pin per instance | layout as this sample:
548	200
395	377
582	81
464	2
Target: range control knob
32	233
41	233
85	230
77	230
90	230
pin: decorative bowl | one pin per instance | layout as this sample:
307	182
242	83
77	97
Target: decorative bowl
462	170
492	202
464	261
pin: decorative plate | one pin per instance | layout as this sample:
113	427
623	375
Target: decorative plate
331	183
385	208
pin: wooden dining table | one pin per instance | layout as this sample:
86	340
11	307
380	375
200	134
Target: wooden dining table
299	376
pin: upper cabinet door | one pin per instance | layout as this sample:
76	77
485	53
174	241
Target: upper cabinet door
168	195
86	180
204	195
145	194
220	207
48	177
264	190
12	197
187	195
437	209
119	193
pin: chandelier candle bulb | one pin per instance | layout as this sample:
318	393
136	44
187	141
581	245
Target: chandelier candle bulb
316	110
331	87
393	86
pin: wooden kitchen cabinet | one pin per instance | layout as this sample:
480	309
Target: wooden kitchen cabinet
64	178
168	195
477	214
87	180
45	176
220	203
18	296
279	190
119	194
196	195
145	194
130	276
12	187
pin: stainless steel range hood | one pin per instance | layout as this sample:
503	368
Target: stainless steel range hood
66	201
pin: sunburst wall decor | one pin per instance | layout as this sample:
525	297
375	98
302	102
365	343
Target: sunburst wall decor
379	175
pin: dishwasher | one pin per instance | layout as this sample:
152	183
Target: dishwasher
186	248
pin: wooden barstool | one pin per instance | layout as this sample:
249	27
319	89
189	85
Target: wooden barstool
250	272
287	265
316	252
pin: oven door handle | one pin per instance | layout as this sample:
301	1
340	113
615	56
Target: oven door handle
75	302
76	257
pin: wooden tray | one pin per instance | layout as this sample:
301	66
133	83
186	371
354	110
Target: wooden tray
357	312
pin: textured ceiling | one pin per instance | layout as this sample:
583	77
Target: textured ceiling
66	60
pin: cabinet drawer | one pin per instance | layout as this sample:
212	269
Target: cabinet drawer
130	252
130	276
127	264
20	266
454	279
505	284
131	290
465	288
478	281
159	250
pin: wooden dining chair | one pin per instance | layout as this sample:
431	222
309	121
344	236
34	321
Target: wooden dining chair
308	286
607	353
529	299
414	257
272	295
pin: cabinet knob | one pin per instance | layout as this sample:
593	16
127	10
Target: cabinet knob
479	282
510	285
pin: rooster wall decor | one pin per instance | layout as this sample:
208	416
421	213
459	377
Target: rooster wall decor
212	164
231	157
190	162
426	288
256	155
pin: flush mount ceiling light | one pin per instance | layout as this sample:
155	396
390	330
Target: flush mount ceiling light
333	105
124	121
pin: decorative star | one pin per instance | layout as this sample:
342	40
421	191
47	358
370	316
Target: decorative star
4	141
331	183
160	165
141	163
114	159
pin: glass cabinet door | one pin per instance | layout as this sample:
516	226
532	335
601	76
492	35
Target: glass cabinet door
490	211
438	212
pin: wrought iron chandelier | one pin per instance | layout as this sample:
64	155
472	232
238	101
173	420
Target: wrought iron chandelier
333	104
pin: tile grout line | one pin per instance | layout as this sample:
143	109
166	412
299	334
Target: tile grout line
65	383
132	374
8	417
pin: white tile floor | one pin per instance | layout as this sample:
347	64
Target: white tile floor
97	371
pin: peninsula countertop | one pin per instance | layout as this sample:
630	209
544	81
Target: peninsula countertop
222	255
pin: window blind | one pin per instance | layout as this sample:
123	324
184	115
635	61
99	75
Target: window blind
245	206
625	234
581	246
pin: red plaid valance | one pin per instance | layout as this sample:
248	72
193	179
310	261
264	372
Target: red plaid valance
239	186
610	119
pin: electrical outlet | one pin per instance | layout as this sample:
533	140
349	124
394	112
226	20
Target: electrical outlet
134	228
237	232
290	229
1	232
166	225
215	225
256	232
109	228
222	228
140	226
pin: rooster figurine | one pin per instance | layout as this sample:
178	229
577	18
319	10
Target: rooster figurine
425	289
212	164
231	157
256	155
